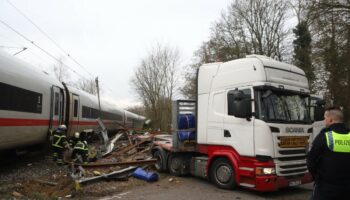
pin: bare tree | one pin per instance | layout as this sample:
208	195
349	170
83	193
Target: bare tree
330	27
247	27
155	82
263	24
137	109
61	72
87	85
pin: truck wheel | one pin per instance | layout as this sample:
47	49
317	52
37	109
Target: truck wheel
223	174
175	164
160	161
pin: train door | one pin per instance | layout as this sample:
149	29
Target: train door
56	117
75	113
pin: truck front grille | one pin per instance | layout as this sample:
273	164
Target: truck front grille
289	160
292	151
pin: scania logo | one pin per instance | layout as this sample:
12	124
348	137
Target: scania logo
294	130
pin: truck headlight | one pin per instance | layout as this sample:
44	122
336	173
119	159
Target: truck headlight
265	171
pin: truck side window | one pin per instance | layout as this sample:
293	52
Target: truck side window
247	95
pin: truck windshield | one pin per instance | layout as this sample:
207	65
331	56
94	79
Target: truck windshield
282	107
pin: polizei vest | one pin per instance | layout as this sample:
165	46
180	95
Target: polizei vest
338	142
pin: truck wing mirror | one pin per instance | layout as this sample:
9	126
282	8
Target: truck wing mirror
318	108
319	112
239	105
236	95
320	102
266	94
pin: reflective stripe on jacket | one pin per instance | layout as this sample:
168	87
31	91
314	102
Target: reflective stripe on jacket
81	146
337	142
59	140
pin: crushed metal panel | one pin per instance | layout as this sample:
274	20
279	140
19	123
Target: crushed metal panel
115	174
110	146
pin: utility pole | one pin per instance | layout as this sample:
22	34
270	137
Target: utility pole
98	95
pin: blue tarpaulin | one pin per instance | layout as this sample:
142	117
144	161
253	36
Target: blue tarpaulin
143	175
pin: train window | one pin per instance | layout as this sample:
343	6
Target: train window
85	112
56	102
91	113
18	99
75	108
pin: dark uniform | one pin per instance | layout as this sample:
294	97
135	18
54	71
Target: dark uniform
80	152
59	142
329	163
72	141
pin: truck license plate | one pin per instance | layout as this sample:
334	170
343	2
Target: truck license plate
293	141
294	183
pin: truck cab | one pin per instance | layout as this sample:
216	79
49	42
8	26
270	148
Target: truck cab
253	126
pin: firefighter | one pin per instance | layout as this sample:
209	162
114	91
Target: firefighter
59	143
73	140
329	158
81	149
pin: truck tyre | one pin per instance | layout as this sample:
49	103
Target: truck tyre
161	161
222	174
175	164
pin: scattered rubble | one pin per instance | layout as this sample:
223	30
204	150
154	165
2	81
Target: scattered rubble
120	156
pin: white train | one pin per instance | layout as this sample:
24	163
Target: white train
32	103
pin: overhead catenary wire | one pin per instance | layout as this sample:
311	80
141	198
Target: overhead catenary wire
43	59
43	50
11	47
53	41
49	54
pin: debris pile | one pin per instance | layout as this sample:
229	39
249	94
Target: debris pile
116	160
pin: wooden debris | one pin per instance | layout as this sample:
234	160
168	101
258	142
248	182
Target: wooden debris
17	194
135	162
46	182
96	173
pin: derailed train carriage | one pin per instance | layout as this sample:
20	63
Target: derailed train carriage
32	103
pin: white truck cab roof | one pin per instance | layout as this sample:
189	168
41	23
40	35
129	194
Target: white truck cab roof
249	71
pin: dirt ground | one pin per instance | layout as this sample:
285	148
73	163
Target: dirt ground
20	176
34	175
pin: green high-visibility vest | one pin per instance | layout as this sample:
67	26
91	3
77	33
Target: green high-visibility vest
338	142
81	146
59	140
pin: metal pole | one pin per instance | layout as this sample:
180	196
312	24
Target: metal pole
98	95
24	48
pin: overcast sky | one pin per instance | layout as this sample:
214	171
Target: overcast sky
109	38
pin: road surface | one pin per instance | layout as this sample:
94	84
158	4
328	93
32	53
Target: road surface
190	188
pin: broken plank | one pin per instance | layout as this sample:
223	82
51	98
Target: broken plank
46	182
135	162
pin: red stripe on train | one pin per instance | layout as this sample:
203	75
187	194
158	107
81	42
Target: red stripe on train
23	122
84	123
42	122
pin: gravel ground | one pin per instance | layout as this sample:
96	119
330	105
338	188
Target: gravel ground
19	176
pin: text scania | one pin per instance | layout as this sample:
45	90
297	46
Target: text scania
294	130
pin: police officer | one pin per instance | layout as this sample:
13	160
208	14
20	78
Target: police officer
329	158
59	143
81	149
